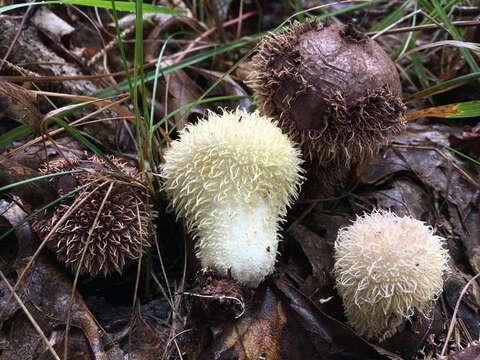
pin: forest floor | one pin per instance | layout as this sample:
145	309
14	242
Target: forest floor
107	78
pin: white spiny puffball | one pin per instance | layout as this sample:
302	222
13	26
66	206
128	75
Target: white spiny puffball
231	178
387	268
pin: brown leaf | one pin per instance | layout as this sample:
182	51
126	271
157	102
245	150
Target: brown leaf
318	251
420	155
228	85
183	91
46	292
469	310
19	104
146	342
35	193
472	352
30	50
263	333
281	323
332	339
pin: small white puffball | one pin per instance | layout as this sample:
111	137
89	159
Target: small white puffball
387	268
231	178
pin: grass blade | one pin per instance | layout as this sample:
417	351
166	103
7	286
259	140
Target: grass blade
126	6
451	111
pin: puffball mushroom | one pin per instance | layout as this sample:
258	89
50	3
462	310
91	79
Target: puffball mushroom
231	178
387	268
120	234
333	90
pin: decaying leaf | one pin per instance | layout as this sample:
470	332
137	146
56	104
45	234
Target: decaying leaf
29	49
46	292
472	352
421	155
146	343
36	193
280	323
17	103
183	92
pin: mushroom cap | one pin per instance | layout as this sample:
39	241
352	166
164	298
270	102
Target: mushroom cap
231	177
122	225
334	90
387	268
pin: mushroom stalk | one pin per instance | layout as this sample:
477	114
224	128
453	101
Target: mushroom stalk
249	240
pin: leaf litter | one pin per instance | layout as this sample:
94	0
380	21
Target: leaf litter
429	172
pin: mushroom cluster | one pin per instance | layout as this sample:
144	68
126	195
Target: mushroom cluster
231	178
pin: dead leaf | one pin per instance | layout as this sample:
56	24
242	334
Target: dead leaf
469	310
318	251
30	53
472	352
146	342
183	91
46	292
19	104
36	193
280	323
332	339
420	154
228	85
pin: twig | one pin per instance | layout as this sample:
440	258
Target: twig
454	316
30	317
17	35
220	298
461	23
77	273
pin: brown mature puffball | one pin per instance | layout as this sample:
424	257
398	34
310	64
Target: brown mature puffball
387	268
122	226
333	90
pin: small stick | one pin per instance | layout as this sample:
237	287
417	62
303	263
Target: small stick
454	316
461	23
213	29
30	317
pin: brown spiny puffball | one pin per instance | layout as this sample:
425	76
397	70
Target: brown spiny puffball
334	91
120	234
387	268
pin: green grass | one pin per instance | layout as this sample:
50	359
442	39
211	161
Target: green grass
461	110
446	85
126	6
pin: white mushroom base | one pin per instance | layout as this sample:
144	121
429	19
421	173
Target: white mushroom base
244	242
